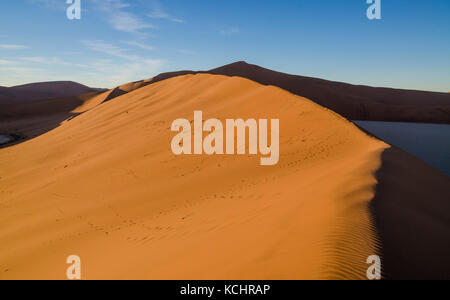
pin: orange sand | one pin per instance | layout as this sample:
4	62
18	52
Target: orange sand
105	186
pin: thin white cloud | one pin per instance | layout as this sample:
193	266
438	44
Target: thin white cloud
139	45
115	12
121	20
116	66
51	61
127	22
159	13
187	52
52	4
14	74
12	47
105	73
42	60
4	62
112	72
111	4
230	31
105	48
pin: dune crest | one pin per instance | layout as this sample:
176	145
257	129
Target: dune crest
354	102
106	186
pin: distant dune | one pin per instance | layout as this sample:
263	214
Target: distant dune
32	117
106	186
351	101
29	117
43	90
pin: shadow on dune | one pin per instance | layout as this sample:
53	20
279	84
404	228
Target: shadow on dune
117	92
28	119
411	210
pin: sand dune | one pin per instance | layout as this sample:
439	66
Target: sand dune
29	110
43	90
351	101
106	186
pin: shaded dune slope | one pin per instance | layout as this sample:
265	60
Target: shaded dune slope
29	119
106	186
412	215
127	88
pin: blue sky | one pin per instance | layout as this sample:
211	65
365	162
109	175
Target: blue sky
118	41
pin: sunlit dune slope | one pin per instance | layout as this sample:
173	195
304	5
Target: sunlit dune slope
105	186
